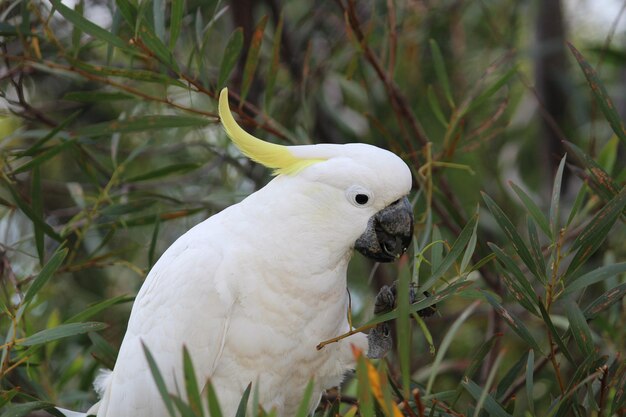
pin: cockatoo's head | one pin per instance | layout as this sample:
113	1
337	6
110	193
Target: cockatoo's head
372	183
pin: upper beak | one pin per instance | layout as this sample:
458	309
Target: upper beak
389	232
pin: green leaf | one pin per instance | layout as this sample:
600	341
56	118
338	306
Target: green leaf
191	383
164	172
446	342
530	370
476	362
153	242
441	72
556	337
605	301
157	47
404	330
159	381
513	322
555	200
455	252
138	124
535	249
132	74
96	96
477	101
46	273
592	277
230	57
158	16
28	211
43	157
88	27
521	289
507	227
98	307
597	178
471	247
25	409
176	19
243	403
490	404
596	231
272	71
252	59
214	405
511	375
580	329
60	332
50	135
128	11
532	209
433	101
305	405
102	350
37	205
602	97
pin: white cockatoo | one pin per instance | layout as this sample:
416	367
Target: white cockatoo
253	290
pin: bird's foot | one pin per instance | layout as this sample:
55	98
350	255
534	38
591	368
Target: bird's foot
379	338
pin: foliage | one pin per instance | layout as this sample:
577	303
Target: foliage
111	149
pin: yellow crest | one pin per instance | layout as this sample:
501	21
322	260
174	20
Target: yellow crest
271	155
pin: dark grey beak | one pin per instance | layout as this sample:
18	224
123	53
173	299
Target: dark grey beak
389	232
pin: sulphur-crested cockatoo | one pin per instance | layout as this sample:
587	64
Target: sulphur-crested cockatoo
253	290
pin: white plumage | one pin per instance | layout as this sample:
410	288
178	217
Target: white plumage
253	289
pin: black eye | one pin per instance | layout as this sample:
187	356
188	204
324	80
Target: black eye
361	199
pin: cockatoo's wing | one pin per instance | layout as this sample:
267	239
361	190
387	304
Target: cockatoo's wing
185	301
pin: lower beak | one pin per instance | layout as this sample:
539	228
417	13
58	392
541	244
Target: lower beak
389	232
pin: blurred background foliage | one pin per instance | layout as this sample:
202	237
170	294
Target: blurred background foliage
110	149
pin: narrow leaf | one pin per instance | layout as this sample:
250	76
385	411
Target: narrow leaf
102	350
605	301
532	209
138	124
252	59
96	96
230	57
602	97
446	342
25	409
164	172
159	381
530	370
441	72
191	383
596	231
305	405
88	27
580	329
453	255
522	289
273	67
214	406
37	204
592	277
490	404
60	332
554	202
158	15
176	19
156	46
46	273
513	322
556	337
243	403
98	307
507	227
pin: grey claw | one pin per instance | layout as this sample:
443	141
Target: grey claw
385	299
379	341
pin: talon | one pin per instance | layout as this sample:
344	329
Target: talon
379	341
